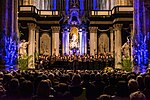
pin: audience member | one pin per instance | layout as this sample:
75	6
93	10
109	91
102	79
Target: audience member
137	96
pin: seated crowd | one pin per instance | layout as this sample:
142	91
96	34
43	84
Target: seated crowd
74	85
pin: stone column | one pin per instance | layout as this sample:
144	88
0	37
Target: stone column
85	41
111	39
65	42
42	4
93	40
125	2
32	2
118	44
37	40
37	4
55	40
107	5
31	46
80	49
16	17
131	42
25	2
112	2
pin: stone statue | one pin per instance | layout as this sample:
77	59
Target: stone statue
126	48
23	47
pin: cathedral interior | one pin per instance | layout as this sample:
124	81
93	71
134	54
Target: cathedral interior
120	28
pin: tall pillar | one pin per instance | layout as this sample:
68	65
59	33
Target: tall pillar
118	44
85	45
80	49
131	42
65	42
32	2
112	4
107	5
93	40
42	5
83	42
31	46
25	2
55	40
37	40
111	39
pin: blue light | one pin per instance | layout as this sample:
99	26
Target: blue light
81	6
11	54
83	43
95	5
67	6
140	48
74	14
141	52
54	5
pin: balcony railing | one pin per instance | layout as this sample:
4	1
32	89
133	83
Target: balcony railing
33	9
115	10
94	13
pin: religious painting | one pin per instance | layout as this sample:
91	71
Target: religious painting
103	43
45	44
74	40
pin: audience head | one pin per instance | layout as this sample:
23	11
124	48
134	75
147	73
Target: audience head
104	97
43	89
63	87
86	77
13	87
140	82
147	81
26	88
133	85
137	96
122	89
76	80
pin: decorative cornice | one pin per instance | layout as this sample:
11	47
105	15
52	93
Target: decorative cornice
122	19
31	25
101	22
37	28
55	29
27	19
111	29
118	26
93	29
